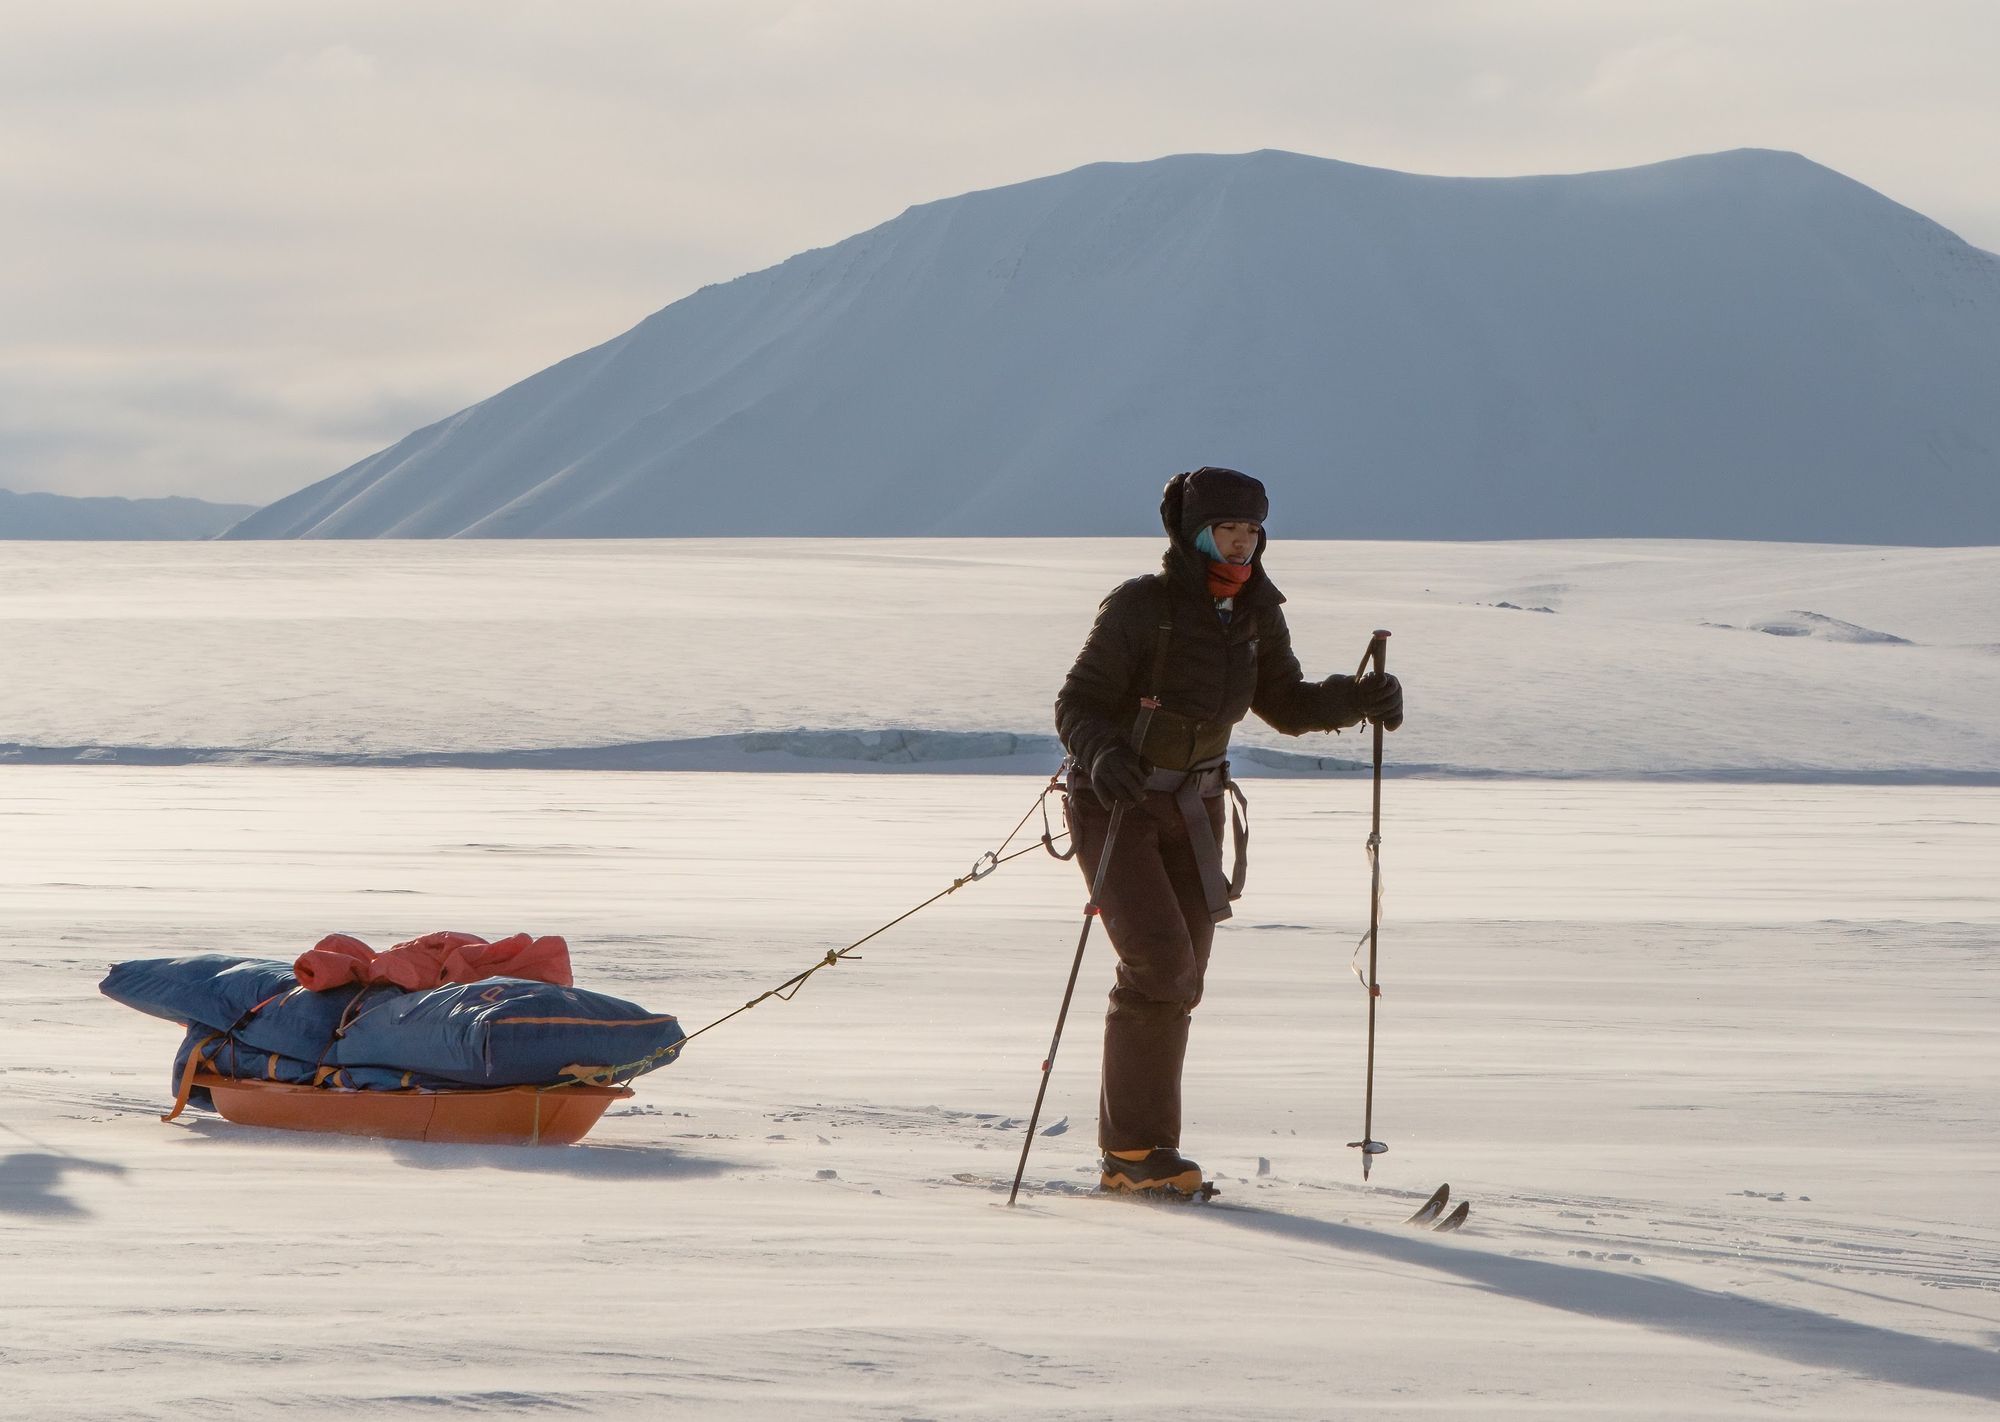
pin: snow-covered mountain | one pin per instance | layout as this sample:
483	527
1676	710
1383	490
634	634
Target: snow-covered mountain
1740	345
59	516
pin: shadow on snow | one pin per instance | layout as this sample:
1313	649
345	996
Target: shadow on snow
31	1183
582	1161
1796	1335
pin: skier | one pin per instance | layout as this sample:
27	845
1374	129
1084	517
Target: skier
1205	639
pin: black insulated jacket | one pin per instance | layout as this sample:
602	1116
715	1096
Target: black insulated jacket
1216	672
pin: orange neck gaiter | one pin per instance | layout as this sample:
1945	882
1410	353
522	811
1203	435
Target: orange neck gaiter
1227	579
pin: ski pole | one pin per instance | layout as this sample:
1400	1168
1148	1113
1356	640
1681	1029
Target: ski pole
1141	724
1090	915
1378	654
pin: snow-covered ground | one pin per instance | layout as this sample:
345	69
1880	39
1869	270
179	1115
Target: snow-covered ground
1595	658
1714	1062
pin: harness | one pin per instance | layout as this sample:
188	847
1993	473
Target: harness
1199	783
1189	789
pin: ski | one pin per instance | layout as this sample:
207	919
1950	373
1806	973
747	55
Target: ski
1431	1215
1164	1195
1075	1190
1432	1208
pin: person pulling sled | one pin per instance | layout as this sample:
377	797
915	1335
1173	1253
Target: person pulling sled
1173	661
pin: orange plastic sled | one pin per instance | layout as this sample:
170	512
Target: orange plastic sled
508	1115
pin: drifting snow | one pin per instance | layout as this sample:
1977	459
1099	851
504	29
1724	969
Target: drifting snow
1814	624
1713	1064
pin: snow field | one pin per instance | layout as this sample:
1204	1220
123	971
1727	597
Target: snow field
1714	1064
1647	663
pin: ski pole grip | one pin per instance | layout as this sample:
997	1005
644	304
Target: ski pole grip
1377	653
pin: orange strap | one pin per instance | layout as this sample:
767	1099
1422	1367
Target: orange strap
187	1075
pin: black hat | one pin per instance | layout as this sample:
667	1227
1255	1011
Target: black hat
1210	496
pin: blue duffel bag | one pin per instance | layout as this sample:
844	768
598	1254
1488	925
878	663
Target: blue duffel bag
495	1032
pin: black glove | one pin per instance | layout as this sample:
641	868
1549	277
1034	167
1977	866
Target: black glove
1379	698
1118	775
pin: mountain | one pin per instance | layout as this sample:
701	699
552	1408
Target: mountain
60	516
1735	345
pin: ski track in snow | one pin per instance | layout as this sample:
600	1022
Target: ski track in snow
1605	1229
1601	1228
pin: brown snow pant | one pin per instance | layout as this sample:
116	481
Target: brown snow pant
1157	917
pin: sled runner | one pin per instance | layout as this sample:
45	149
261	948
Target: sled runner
506	1115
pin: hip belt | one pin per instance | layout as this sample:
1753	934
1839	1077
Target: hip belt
1190	788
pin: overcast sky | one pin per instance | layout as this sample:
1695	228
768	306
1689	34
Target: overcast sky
244	243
